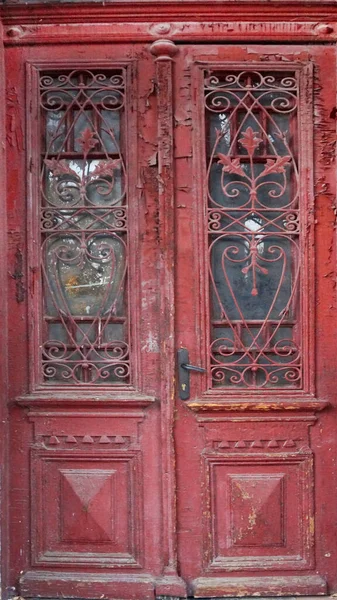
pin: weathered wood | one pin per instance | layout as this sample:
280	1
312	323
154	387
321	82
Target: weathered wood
123	490
3	336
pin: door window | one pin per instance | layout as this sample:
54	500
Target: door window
84	228
254	228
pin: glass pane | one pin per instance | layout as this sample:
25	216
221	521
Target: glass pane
253	224
84	229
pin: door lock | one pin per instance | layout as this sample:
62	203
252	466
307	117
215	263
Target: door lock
184	369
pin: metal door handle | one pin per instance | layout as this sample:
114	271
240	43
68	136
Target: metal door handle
184	369
193	368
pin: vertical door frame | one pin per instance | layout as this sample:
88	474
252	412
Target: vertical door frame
164	52
3	334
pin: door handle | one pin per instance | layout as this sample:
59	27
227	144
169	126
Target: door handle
184	369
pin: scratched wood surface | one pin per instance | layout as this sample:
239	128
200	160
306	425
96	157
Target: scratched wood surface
123	490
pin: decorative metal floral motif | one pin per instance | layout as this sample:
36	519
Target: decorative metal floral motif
84	228
253	212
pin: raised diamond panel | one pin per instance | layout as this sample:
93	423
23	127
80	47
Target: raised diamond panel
257	515
87	505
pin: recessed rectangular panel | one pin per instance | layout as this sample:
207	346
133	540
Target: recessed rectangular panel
260	511
88	509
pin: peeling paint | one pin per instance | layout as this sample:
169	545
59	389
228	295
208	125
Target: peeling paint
17	275
151	343
312	525
15	137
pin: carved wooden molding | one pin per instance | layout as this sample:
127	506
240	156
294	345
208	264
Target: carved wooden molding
119	400
164	51
261	405
87	442
278	445
22	28
305	584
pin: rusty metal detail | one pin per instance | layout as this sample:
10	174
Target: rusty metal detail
17	275
84	228
254	229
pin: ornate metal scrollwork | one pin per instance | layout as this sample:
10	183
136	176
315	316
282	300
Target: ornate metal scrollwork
254	229
84	229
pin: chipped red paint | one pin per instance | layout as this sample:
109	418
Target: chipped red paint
119	489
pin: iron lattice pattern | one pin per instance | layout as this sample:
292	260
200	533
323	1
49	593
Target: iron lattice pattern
254	229
84	228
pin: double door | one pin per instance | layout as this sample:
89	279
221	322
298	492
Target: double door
172	205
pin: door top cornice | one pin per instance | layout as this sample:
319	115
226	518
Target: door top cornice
157	10
217	21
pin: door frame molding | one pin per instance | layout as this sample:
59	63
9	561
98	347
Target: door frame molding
4	558
192	20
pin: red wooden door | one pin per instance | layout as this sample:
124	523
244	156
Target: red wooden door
85	440
254	306
178	196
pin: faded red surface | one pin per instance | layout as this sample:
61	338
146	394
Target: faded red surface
121	489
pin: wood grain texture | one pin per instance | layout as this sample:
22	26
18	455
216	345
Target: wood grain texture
125	491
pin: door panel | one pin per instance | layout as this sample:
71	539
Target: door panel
85	441
250	441
178	196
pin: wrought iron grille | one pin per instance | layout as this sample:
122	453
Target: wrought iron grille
254	229
84	228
